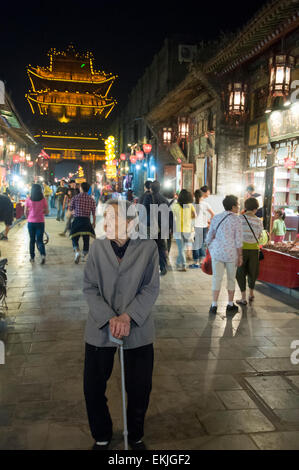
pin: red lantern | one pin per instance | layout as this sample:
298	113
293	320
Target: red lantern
114	162
30	164
122	156
139	155
179	160
16	159
133	159
147	148
22	159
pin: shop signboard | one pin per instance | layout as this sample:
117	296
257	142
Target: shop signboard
177	153
284	124
253	130
263	133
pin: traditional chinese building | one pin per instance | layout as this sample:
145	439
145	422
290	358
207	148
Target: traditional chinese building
71	102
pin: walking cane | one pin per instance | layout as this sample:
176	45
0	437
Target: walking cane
119	342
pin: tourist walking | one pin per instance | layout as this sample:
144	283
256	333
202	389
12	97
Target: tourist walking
159	200
83	206
184	213
225	241
36	207
171	199
121	285
60	193
147	192
47	191
251	192
252	230
203	212
6	214
279	226
69	216
53	187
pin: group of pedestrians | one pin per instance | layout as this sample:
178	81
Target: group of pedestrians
77	204
188	222
233	242
122	281
121	285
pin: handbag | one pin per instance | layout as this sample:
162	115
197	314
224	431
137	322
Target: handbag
206	265
261	254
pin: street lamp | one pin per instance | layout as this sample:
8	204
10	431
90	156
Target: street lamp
167	135
280	74
237	93
183	127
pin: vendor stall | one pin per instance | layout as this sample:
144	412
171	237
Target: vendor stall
280	265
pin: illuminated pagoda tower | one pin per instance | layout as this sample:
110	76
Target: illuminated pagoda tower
70	100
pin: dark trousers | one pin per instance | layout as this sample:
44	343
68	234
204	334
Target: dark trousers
249	268
60	210
161	244
75	242
199	250
169	241
138	380
36	233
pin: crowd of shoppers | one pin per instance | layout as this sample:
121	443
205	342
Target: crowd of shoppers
121	276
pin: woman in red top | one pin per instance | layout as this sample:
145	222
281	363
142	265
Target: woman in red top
36	207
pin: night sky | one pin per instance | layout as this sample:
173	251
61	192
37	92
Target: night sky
123	35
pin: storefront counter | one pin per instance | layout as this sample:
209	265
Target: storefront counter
279	268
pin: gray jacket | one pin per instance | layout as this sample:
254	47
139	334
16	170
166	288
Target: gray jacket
130	286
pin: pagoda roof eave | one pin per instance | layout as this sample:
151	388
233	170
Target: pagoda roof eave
31	98
33	71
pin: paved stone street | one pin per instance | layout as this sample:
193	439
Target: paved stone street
219	383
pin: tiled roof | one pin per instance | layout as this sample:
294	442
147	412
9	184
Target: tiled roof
272	21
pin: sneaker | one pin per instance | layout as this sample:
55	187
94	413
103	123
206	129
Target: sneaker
213	310
231	309
31	260
101	446
58	220
77	257
163	272
43	259
3	237
241	302
139	445
62	234
182	270
193	266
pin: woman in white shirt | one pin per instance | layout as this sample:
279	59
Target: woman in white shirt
203	211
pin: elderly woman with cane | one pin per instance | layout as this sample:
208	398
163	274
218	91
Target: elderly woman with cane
121	285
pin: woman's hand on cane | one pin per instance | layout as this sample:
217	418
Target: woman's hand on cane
120	326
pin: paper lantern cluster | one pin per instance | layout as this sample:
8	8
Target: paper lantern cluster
110	157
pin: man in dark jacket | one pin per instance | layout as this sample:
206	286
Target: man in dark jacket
6	214
157	198
60	193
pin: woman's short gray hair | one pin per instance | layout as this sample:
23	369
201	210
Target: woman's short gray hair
125	208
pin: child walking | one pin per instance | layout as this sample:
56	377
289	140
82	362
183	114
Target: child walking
279	226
